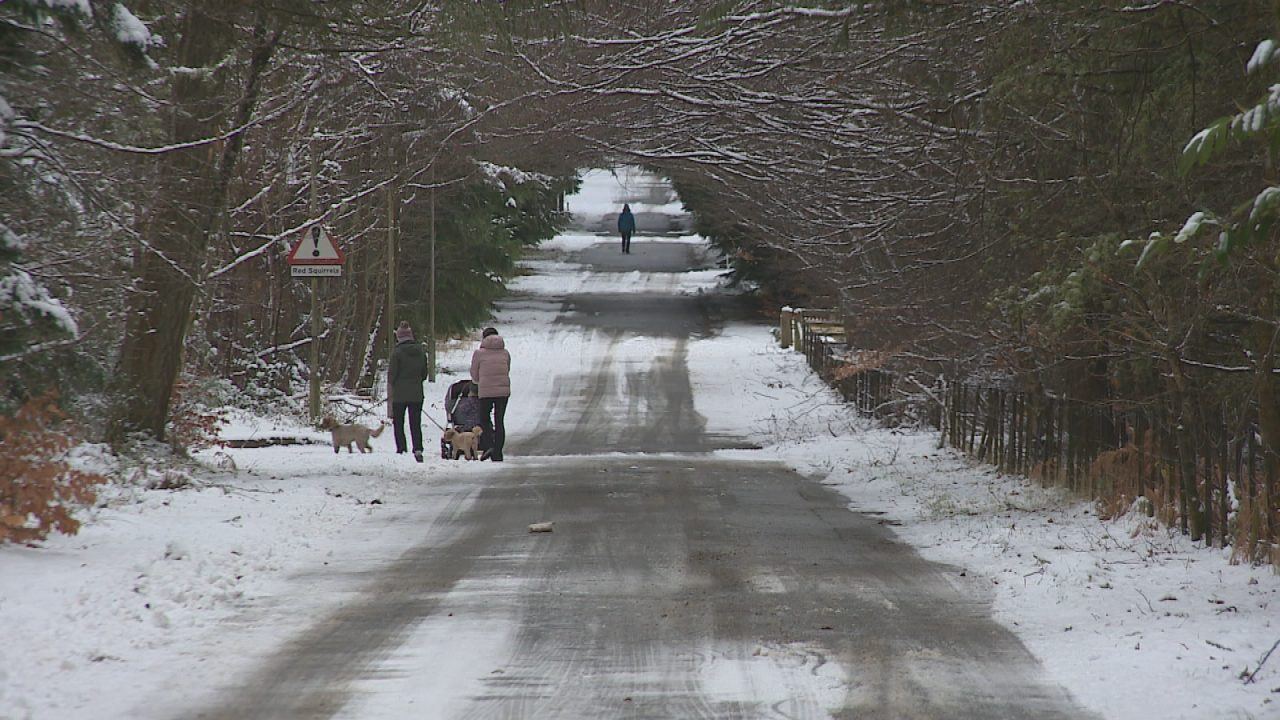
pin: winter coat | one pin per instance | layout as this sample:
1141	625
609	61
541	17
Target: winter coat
491	368
406	372
626	222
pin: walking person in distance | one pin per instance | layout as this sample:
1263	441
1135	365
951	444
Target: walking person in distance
626	226
405	373
491	372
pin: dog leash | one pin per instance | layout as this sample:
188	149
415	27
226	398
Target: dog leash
433	420
424	414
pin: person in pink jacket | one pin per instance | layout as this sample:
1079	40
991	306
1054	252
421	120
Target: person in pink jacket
491	371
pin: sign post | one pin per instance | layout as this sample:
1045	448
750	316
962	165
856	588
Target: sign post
315	256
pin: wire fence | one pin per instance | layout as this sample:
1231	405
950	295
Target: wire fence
1204	470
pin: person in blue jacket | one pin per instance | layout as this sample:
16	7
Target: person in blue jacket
626	226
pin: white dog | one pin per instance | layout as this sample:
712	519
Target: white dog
464	443
349	435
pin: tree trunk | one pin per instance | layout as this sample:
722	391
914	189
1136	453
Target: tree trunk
1185	429
188	212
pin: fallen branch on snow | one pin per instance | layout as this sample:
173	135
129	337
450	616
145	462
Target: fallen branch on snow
1250	676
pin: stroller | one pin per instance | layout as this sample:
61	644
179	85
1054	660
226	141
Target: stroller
463	411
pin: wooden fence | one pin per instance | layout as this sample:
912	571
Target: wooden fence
821	337
1203	470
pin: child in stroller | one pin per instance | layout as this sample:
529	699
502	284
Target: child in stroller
463	411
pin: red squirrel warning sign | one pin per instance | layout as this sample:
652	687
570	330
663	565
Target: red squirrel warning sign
316	248
316	254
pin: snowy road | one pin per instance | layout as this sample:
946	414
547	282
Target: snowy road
677	583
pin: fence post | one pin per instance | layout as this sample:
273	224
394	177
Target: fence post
786	327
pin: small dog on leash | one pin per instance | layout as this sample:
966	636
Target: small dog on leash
464	443
350	435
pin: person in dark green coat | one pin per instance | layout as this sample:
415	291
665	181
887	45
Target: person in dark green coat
405	374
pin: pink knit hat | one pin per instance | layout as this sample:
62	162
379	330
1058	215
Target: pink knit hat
404	332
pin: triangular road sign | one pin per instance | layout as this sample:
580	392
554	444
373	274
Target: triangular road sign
316	248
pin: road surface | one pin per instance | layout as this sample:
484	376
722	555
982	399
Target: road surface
675	584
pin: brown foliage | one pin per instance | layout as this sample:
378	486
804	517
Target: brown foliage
191	425
1252	542
862	361
1116	478
39	490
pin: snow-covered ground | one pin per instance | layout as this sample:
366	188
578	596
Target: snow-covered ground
165	593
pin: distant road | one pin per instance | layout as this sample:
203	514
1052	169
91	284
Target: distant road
652	201
647	223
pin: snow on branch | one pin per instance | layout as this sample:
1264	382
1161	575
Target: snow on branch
39	348
271	240
163	149
21	292
1263	55
800	12
129	29
80	6
500	174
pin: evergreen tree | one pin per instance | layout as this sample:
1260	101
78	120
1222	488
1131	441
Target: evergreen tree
41	205
32	322
481	230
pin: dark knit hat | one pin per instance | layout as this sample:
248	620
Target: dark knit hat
489	331
404	332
